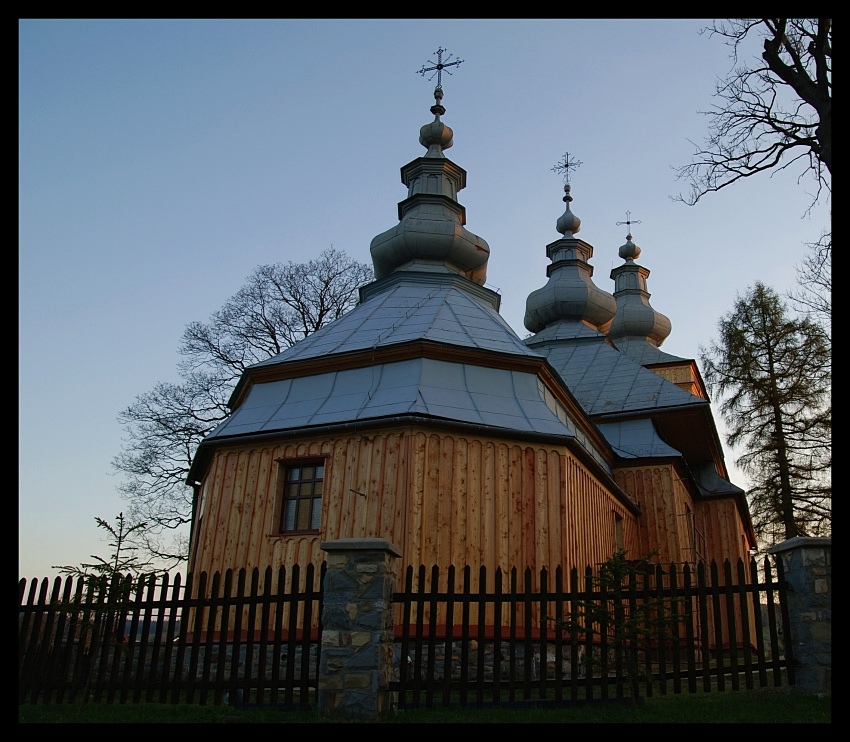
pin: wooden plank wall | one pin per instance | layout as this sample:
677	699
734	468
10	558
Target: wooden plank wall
724	529
664	502
685	376
442	498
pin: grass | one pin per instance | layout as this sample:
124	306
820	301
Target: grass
775	705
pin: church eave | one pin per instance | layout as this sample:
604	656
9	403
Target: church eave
689	429
385	354
425	349
431	198
423	165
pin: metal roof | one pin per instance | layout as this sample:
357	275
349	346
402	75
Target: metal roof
461	392
604	380
636	439
440	306
641	351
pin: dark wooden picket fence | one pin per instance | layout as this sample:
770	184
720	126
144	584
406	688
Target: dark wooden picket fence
222	640
462	637
466	641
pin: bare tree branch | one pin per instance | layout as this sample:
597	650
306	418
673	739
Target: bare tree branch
814	278
774	112
279	305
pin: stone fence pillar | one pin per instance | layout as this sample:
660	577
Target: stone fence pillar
807	563
357	628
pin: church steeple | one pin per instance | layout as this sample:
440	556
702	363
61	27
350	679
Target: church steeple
569	296
431	235
636	322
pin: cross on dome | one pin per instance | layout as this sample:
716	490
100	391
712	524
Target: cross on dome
564	166
439	66
629	221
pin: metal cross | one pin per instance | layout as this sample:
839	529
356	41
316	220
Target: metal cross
629	222
439	66
565	165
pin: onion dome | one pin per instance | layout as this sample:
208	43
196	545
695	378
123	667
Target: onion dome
430	235
436	136
635	320
568	222
570	294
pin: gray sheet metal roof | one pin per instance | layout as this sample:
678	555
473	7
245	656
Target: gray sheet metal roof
450	391
404	306
711	483
641	351
606	381
636	439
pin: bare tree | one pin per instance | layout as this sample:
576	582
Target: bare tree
813	296
774	112
279	305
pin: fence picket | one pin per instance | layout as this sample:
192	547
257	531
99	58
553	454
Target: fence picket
528	645
236	633
703	597
588	596
291	631
771	622
732	632
482	639
543	602
449	653
464	638
558	634
404	658
278	635
497	637
160	618
675	644
432	636
236	687
788	645
743	606
513	641
720	659
64	648
180	627
662	642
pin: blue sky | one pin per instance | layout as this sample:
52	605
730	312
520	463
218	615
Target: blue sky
161	161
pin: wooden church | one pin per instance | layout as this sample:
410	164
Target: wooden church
422	418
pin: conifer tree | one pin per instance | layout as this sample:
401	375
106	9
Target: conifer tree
108	586
771	375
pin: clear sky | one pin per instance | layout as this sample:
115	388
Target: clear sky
161	161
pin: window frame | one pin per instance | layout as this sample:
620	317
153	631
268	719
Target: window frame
619	531
285	466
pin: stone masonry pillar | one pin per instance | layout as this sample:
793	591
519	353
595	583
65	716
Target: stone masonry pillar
356	659
807	563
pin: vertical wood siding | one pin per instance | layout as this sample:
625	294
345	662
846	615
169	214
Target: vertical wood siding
664	502
442	498
723	529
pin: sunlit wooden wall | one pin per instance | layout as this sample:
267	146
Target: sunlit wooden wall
724	529
667	511
442	498
445	498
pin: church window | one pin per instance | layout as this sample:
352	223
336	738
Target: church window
618	531
303	484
